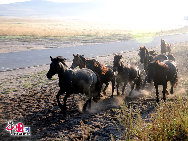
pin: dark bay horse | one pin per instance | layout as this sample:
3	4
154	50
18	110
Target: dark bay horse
126	74
161	73
74	81
105	73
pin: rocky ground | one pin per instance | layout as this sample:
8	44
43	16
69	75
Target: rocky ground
27	96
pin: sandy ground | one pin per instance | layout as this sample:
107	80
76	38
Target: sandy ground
28	96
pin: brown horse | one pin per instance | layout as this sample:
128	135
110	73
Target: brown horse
165	47
161	73
126	74
105	73
83	81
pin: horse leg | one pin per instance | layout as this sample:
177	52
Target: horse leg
105	88
85	105
113	86
164	91
157	93
57	97
124	85
88	93
172	87
132	87
117	87
64	104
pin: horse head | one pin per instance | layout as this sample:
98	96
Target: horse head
78	60
143	53
57	64
117	62
151	70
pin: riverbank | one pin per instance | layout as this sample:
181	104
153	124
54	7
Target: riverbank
26	95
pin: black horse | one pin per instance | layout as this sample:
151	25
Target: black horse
161	73
171	57
146	56
126	74
74	81
105	73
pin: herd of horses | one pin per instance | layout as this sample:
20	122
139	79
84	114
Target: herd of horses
87	76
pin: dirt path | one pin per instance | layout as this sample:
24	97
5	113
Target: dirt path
27	96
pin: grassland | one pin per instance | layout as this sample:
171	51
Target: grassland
66	29
28	96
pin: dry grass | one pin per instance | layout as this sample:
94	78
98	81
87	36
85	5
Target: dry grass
169	122
33	27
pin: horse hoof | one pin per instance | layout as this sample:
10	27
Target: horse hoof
167	92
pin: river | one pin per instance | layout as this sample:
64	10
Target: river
15	60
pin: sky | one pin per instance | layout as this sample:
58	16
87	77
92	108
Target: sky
134	14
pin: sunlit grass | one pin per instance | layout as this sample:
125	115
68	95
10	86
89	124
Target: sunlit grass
74	30
168	122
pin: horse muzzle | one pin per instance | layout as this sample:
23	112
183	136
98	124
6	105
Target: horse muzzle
49	76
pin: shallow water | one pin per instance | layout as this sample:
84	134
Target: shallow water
14	60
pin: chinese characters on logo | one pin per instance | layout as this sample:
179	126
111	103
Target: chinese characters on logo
18	129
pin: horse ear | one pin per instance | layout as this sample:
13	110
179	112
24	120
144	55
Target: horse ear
74	55
51	58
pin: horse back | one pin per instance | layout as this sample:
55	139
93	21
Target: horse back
86	75
161	57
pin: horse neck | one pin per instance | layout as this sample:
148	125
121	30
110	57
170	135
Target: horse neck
84	62
61	70
121	66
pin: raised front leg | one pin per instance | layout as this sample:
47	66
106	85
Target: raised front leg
164	91
157	93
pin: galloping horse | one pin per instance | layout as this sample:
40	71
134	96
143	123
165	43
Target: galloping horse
146	56
126	74
105	73
161	73
165	47
74	81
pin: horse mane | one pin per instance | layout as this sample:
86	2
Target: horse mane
99	66
61	59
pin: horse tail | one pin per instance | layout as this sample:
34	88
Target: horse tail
98	84
138	80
